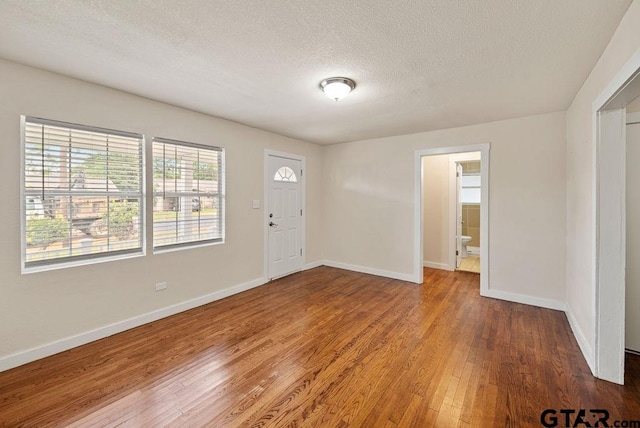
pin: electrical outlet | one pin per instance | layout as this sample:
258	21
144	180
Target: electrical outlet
161	286
256	204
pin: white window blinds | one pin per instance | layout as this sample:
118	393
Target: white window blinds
188	203
82	191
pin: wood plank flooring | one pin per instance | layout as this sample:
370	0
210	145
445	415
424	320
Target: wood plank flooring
328	348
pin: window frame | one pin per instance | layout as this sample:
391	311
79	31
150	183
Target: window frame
281	177
81	259
478	186
220	197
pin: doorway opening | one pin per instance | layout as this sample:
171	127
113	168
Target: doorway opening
451	192
448	227
610	228
284	226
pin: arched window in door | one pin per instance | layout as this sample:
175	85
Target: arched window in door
284	173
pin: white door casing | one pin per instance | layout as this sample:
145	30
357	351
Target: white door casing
607	359
284	215
458	215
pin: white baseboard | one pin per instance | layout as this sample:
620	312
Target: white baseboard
23	357
433	265
585	348
524	299
496	294
313	265
371	271
583	343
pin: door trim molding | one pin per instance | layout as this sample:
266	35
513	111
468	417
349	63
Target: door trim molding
608	224
265	216
418	250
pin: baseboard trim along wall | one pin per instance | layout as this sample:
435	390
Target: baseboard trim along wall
433	265
583	343
371	271
313	265
524	299
33	354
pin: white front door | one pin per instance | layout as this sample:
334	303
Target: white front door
284	216
458	215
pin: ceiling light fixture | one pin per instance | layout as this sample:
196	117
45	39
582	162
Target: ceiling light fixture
337	88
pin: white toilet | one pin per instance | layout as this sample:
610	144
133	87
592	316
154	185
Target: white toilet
465	241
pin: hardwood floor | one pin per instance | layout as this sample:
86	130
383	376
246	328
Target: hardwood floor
326	347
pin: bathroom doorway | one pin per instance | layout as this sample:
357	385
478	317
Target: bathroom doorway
468	207
441	214
451	193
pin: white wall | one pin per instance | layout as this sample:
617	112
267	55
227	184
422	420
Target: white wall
369	202
632	279
634	106
40	308
435	194
580	280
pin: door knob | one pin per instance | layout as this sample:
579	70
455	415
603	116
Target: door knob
272	224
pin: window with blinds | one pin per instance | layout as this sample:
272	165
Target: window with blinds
470	189
188	202
82	193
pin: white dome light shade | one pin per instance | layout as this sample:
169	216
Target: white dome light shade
337	87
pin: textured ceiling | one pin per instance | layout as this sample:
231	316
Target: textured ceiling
419	65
